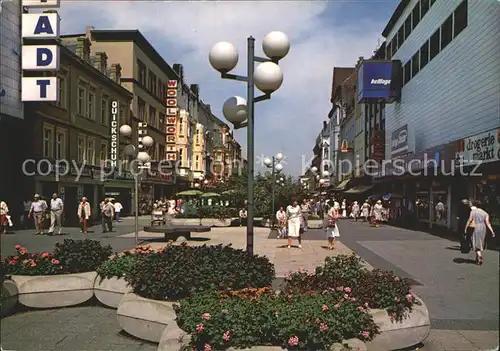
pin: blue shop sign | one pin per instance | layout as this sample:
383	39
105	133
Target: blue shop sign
379	81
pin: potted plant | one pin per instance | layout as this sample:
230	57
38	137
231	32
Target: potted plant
161	278
110	285
61	278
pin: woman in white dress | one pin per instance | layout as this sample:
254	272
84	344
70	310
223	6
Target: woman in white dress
293	213
365	210
332	230
344	208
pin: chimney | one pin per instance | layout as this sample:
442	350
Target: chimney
83	49
101	62
115	73
88	32
195	88
179	70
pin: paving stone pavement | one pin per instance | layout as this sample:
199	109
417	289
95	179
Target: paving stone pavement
462	298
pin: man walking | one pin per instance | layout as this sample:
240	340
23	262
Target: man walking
37	210
107	212
56	210
118	208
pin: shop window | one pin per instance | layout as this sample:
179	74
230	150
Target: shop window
446	32
460	18
434	45
424	7
416	15
439	209
400	35
424	55
407	72
408	26
415	67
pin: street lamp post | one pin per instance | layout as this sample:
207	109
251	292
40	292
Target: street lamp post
267	77
276	167
141	159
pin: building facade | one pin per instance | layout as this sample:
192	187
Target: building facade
71	139
11	107
432	120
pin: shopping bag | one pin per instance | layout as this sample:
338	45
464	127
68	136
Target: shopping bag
10	221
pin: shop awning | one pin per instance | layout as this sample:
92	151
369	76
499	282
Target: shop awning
342	185
358	189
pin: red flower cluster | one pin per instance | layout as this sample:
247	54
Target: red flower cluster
26	263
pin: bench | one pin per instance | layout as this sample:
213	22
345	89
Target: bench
174	232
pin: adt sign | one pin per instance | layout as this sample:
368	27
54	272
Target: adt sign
40	57
379	81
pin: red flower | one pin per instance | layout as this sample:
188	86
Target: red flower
12	262
54	261
17	246
44	255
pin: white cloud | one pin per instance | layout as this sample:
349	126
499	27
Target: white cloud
184	32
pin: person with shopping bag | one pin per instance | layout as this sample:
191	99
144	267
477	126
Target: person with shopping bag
4	217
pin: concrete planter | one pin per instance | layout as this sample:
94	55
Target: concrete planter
315	224
51	291
173	338
9	297
226	222
144	318
109	291
209	222
400	335
185	221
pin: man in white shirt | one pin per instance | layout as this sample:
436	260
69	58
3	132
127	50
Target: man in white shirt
23	219
56	210
118	207
37	210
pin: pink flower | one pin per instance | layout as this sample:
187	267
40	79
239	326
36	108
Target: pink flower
396	279
17	246
346	296
288	276
54	261
293	341
348	290
207	347
340	288
12	262
353	299
360	308
409	297
323	327
205	316
44	255
301	269
15	258
33	264
200	328
324	308
226	336
366	334
337	306
22	251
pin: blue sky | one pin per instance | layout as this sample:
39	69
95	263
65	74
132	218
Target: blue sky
322	35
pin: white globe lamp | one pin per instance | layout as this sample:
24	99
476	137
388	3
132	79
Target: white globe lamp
126	130
143	157
268	77
201	178
147	141
322	181
268	162
223	57
276	45
326	174
279	167
235	109
279	156
314	169
196	185
205	182
282	179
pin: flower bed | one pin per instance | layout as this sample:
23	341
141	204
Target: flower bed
181	271
64	277
110	285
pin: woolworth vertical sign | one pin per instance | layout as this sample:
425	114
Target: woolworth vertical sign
40	57
171	121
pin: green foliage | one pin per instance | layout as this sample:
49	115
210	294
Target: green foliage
71	256
376	289
120	265
303	322
180	271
